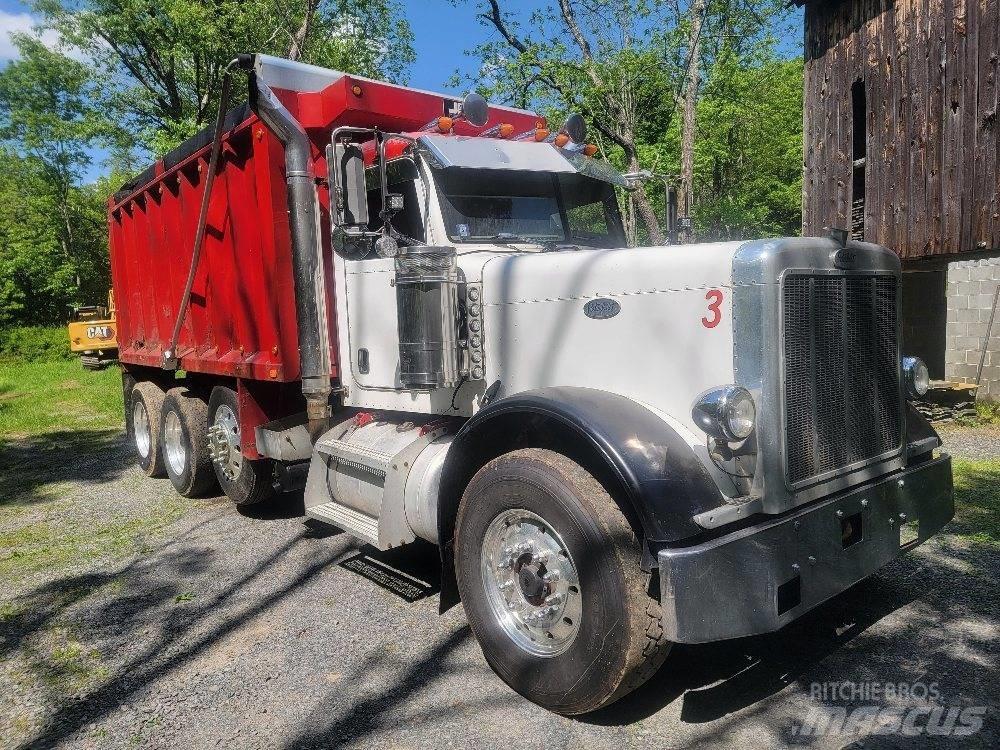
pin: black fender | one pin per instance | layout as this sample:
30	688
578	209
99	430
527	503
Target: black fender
658	481
921	437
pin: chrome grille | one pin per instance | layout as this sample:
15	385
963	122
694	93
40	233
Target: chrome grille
841	383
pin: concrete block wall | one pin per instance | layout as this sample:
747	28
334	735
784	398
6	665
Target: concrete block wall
970	290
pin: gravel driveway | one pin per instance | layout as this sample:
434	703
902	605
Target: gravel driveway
234	631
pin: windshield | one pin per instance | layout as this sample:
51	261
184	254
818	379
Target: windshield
516	206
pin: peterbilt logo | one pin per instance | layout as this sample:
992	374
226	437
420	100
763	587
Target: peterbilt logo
601	308
845	257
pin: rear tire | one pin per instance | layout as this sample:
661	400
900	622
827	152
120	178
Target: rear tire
143	417
548	569
246	482
184	443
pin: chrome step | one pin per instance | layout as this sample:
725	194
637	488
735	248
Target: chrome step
357	524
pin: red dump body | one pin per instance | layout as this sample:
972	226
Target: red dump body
241	320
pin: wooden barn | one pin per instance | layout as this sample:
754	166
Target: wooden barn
901	147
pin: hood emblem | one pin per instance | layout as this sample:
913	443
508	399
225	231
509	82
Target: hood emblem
602	308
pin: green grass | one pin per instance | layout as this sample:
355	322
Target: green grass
49	397
977	501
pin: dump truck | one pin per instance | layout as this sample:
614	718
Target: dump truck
426	305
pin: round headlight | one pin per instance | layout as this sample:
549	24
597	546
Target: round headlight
918	380
741	414
727	413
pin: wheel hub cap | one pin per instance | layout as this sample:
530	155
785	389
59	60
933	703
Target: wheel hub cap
140	429
173	442
531	583
224	442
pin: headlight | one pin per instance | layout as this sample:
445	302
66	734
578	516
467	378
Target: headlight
916	376
727	413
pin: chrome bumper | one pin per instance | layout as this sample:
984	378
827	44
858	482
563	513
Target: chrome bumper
760	578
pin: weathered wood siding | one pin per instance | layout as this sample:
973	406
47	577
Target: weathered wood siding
930	72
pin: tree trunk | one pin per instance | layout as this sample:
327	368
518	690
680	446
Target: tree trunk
686	194
296	49
645	210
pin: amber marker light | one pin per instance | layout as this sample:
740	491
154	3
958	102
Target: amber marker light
541	134
506	130
445	124
561	140
589	150
356	90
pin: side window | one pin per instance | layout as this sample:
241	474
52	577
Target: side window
402	178
587	221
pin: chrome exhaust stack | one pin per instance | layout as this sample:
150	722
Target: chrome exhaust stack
307	249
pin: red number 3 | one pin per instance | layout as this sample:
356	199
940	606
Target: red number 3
715	299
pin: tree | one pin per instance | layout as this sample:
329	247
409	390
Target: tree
159	63
622	63
747	161
692	80
51	237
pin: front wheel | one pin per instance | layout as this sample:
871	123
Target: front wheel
246	482
548	570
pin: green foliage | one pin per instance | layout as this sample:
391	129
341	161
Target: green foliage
748	154
159	63
53	250
626	77
34	344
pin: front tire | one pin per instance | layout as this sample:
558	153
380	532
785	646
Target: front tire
244	481
548	570
184	443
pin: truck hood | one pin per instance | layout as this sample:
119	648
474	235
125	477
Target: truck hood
653	324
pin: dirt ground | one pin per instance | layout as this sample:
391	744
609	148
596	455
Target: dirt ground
216	629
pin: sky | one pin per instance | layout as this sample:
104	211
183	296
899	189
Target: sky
442	33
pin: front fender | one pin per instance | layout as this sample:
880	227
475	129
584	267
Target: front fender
663	483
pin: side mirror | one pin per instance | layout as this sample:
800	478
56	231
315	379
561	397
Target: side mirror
475	109
350	204
576	128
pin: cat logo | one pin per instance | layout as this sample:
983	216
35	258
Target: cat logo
104	333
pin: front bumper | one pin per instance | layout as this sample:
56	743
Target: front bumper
760	578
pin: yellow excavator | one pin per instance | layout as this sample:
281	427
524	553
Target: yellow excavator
92	333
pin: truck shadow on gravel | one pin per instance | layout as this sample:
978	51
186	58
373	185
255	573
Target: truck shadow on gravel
32	469
949	589
180	633
953	604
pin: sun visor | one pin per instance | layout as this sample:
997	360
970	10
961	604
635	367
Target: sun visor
464	152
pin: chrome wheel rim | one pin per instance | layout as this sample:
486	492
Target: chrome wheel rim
173	442
531	583
224	442
140	429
